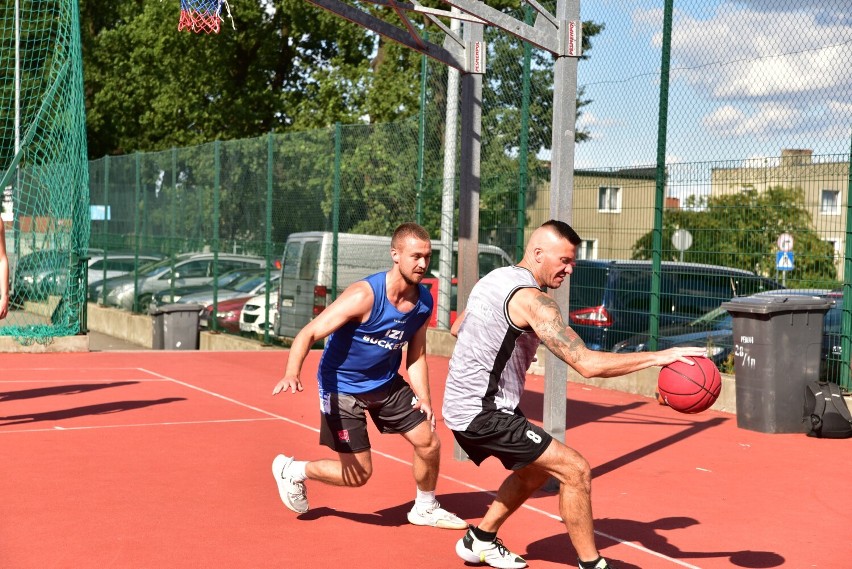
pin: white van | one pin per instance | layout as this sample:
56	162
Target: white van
307	266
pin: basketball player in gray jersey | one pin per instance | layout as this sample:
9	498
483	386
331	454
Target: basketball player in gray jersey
507	316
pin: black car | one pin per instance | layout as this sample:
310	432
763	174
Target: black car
610	301
714	331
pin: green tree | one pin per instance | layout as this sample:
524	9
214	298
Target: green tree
740	230
149	87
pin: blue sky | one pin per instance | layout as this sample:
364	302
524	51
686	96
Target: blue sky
748	78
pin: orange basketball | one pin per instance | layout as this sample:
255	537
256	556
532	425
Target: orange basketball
690	388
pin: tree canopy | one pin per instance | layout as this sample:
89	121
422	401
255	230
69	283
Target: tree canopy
286	65
740	230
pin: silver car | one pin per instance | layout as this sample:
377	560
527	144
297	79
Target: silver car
136	290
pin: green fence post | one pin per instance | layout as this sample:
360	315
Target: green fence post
335	211
107	215
523	153
659	198
217	164
421	135
846	318
136	222
270	155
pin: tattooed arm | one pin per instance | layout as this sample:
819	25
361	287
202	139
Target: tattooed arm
532	308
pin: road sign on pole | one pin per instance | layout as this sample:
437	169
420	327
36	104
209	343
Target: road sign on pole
785	242
784	261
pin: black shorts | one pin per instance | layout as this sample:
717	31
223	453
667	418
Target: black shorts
511	438
343	421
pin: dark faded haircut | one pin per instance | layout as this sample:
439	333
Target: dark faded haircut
564	230
409	229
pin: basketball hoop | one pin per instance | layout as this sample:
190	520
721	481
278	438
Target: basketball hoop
202	15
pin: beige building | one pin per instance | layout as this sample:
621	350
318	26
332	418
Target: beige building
611	210
824	180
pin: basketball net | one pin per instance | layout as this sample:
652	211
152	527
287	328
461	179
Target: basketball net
203	15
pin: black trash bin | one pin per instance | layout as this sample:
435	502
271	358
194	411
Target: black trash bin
175	326
777	351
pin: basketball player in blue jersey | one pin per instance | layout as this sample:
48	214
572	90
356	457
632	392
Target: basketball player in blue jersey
367	328
507	316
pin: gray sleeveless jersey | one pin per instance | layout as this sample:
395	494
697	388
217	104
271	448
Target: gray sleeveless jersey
489	363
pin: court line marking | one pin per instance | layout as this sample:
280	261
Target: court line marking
166	423
444	476
83	380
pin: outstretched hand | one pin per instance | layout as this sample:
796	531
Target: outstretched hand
288	383
683	354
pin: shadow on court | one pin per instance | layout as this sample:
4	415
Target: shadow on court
99	409
467	505
647	534
60	390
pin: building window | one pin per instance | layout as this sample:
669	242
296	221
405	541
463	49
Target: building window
836	244
830	202
609	199
588	249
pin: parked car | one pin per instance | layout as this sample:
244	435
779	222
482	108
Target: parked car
610	301
256	316
223	283
114	264
714	331
44	273
227	314
306	270
248	284
184	270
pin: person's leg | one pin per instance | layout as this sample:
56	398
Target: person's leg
343	428
427	511
574	475
513	492
427	456
351	469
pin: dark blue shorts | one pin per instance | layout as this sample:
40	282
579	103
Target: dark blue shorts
343	421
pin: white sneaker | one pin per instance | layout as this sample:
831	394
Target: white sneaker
293	493
435	516
494	553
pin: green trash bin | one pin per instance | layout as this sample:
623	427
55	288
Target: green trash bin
175	326
777	351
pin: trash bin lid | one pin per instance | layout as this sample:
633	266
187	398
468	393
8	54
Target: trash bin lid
777	303
176	307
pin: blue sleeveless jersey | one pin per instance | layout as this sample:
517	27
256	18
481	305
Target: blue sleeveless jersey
361	357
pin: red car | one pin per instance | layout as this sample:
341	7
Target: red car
227	314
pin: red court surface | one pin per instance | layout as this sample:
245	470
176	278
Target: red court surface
162	459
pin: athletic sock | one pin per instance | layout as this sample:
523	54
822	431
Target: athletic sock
296	470
425	500
483	535
589	564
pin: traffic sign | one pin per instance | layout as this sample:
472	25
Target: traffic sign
784	261
785	242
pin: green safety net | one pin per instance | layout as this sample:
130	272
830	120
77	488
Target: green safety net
45	205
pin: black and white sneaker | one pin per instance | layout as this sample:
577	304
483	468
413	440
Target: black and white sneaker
494	553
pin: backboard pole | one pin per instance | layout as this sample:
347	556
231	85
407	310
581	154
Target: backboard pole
469	177
561	197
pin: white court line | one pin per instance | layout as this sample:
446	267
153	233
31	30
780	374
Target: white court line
407	463
83	380
7	371
167	423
